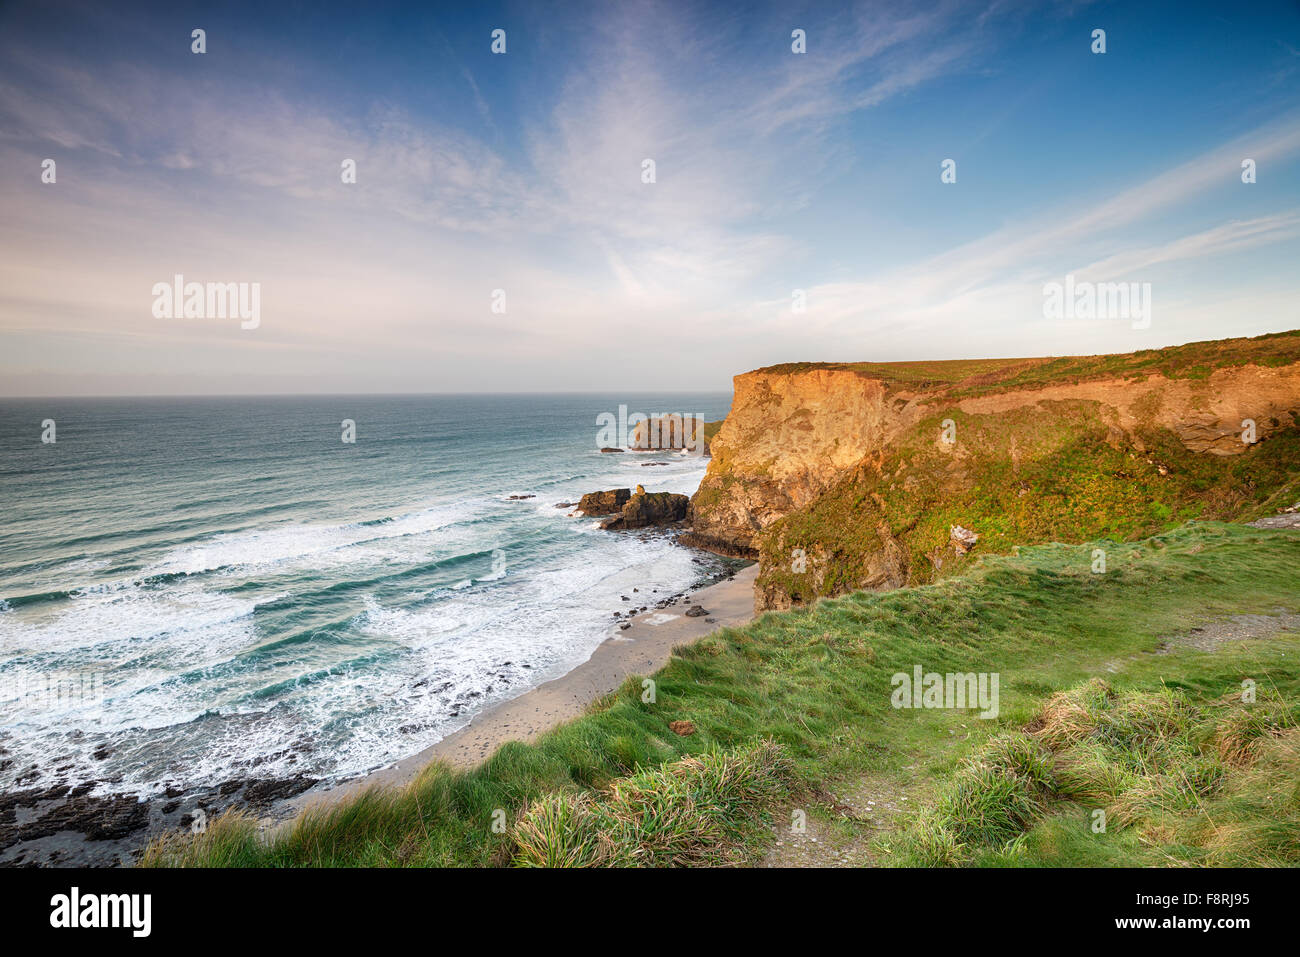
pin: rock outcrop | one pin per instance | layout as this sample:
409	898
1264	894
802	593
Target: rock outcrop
604	503
646	509
844	476
788	438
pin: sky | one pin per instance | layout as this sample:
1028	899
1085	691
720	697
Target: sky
797	210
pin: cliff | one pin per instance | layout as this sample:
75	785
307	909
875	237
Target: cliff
840	476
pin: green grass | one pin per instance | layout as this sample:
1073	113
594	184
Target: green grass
815	682
1136	778
695	811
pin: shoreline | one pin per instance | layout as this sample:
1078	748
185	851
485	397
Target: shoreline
63	825
58	826
645	647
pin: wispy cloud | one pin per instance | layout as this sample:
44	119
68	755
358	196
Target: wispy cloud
165	169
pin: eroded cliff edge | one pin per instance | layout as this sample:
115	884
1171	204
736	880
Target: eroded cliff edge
843	476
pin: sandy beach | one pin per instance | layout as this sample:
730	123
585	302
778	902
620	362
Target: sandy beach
642	649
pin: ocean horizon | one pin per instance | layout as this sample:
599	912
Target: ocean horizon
198	589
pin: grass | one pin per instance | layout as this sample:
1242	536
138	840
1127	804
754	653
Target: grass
800	700
1136	777
695	811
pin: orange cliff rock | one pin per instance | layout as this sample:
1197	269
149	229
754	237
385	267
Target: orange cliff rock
857	466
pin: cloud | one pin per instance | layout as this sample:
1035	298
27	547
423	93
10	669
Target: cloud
998	272
230	177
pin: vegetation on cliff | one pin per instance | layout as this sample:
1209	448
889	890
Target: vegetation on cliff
1022	476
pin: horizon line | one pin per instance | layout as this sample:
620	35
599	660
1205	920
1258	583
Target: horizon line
363	395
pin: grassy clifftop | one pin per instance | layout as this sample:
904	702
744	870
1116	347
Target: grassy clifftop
797	705
959	378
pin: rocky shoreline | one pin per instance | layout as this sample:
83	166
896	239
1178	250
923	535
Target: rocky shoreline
67	826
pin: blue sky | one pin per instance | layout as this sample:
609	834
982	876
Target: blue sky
774	172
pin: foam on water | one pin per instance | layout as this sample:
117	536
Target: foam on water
273	641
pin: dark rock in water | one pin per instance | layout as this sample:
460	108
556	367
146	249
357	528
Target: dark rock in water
646	465
262	793
516	498
695	611
98	818
607	450
565	504
645	509
604	503
624	627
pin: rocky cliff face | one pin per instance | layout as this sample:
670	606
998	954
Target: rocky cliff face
845	476
788	438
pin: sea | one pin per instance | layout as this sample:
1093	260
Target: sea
194	590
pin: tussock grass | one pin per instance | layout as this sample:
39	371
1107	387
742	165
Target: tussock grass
694	811
1239	735
1193	782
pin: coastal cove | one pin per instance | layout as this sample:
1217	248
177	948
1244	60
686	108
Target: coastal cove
265	609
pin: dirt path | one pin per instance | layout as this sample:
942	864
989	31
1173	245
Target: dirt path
860	811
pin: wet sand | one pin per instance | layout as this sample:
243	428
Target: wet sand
642	649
